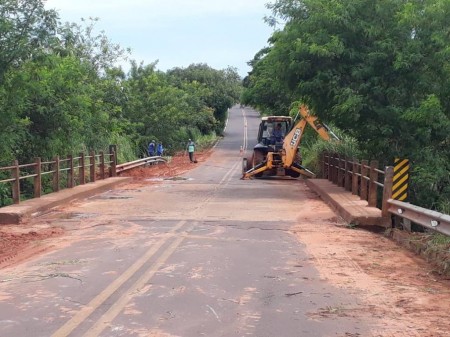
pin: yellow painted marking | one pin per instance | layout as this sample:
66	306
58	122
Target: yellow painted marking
98	300
398	174
400	163
399	192
118	306
403	197
400	182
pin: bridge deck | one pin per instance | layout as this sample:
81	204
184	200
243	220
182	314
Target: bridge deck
350	207
14	214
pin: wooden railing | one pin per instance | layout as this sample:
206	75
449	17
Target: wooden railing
70	172
363	178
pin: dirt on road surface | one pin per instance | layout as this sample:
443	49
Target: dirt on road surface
399	287
21	242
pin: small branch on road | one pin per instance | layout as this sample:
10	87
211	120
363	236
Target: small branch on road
293	294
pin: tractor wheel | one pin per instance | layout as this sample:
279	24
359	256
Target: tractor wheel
292	173
244	165
257	158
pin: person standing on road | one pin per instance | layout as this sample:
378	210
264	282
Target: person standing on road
159	149
191	148
151	148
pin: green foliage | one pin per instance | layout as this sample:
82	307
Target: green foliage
61	93
5	197
378	69
219	89
313	147
125	148
25	27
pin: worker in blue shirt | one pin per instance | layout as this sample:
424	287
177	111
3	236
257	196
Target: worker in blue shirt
151	148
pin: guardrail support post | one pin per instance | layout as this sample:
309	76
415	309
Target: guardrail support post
81	169
372	200
92	166
56	175
355	176
37	178
387	190
15	172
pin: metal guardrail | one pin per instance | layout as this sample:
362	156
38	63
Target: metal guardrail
362	178
427	218
140	162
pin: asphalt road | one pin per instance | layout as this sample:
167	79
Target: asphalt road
205	255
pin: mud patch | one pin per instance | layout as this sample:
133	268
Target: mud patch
18	246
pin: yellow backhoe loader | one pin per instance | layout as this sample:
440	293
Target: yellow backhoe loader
278	155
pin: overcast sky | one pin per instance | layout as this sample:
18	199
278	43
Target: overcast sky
178	33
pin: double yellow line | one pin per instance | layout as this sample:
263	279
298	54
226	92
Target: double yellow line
117	307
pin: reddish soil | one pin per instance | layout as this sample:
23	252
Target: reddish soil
18	243
397	285
177	165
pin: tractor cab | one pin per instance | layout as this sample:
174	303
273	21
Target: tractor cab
266	137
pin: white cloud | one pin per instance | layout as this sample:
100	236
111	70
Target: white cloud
157	8
178	32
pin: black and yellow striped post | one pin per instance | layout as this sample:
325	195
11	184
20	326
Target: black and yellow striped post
401	177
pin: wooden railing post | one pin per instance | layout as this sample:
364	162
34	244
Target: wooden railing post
102	165
15	172
56	174
81	168
340	181
113	149
364	164
334	171
347	177
372	200
70	172
387	190
330	171
322	162
355	177
113	165
38	178
92	166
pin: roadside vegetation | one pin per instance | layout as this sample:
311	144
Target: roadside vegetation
61	92
378	70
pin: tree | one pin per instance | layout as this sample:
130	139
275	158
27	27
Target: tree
26	27
378	69
223	87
